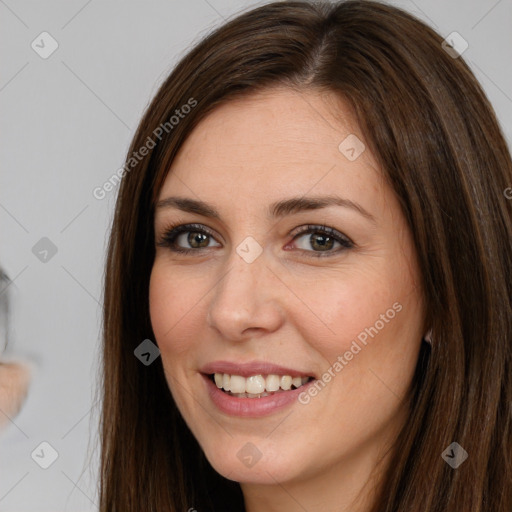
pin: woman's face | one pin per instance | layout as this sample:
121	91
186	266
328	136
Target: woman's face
260	297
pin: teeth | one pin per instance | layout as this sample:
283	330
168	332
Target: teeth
272	383
237	384
286	382
226	380
257	386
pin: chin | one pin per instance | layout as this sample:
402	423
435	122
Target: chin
243	462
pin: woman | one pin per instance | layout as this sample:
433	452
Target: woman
312	229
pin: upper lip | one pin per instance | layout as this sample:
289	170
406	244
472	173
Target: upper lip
252	368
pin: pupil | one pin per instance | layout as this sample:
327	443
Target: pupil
325	243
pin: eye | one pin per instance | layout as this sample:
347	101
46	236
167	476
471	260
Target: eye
322	239
196	235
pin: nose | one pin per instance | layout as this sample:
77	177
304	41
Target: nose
247	300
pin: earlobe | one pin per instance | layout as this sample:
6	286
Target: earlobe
428	337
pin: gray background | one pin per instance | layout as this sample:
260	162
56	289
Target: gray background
66	125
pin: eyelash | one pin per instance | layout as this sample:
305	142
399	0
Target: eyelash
173	231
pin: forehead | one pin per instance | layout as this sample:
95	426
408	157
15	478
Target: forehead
270	142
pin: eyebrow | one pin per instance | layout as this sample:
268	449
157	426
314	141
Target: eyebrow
276	210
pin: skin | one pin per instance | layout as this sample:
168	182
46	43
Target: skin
288	307
14	383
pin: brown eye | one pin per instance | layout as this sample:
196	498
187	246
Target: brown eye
177	238
322	239
196	239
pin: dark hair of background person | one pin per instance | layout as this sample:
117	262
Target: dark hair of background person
4	309
433	131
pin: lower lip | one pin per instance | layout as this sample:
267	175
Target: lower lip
252	407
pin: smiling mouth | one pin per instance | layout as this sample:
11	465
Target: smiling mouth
257	386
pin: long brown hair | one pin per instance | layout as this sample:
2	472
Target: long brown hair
436	137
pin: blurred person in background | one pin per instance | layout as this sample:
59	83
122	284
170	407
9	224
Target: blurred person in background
14	374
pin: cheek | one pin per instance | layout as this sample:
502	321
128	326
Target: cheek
170	302
338	307
178	302
171	308
370	316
